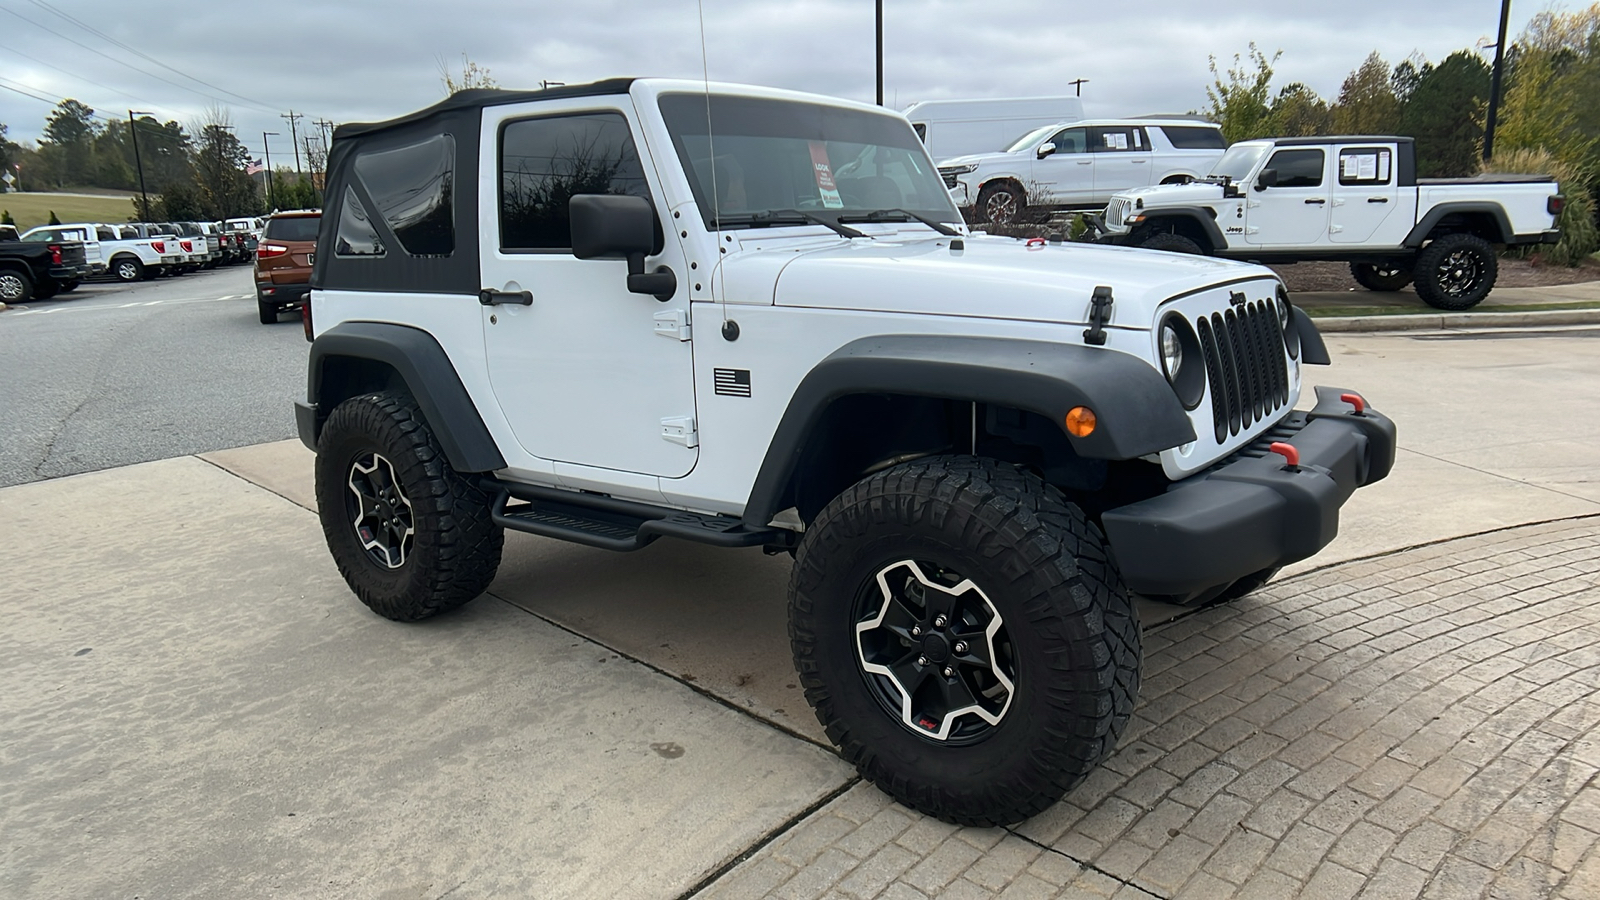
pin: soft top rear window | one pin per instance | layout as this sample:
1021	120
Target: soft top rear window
294	228
1194	137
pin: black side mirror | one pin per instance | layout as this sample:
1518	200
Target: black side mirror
619	225
1267	178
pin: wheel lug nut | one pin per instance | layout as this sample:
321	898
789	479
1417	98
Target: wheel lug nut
961	646
948	671
916	631
922	660
939	622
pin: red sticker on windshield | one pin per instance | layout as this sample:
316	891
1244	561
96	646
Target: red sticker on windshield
824	175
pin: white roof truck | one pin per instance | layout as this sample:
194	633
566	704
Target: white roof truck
961	127
1353	199
639	309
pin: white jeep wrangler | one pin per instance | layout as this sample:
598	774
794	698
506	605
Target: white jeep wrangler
614	312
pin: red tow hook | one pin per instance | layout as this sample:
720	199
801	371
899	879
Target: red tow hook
1290	455
1035	243
1356	401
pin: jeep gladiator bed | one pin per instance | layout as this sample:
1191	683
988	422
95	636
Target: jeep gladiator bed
753	318
1352	199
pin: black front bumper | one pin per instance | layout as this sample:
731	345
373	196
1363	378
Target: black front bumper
1253	512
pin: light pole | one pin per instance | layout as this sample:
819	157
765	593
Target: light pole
880	52
268	147
133	131
1494	84
1079	83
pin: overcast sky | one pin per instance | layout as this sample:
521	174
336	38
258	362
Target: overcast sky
346	61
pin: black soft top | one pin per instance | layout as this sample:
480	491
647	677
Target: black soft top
478	98
1344	139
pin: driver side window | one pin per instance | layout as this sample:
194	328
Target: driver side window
1298	168
1071	140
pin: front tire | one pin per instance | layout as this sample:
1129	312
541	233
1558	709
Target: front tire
1455	272
964	637
1384	278
411	536
1172	243
1001	204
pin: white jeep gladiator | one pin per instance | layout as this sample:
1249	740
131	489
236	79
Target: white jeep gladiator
635	309
1349	199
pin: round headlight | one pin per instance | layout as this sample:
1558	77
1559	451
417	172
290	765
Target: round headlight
1171	351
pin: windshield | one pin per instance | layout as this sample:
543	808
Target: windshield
777	155
1029	139
1239	160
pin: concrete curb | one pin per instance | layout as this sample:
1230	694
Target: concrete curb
1439	321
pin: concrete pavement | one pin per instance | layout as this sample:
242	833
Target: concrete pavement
640	732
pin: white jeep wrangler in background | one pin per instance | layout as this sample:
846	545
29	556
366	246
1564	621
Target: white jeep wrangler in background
1351	199
635	309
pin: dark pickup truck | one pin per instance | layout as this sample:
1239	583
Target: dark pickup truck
30	270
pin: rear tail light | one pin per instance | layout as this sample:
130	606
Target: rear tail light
55	254
186	245
267	251
159	246
1555	204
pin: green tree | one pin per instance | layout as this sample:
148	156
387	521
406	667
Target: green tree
1239	104
224	190
5	218
53	219
1552	80
180	203
1298	112
9	150
68	142
1366	103
1445	113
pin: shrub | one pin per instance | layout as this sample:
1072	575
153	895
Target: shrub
1579	235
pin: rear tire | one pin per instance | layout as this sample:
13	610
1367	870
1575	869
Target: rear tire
411	536
1385	278
978	555
1455	272
15	286
127	270
1172	243
68	287
267	311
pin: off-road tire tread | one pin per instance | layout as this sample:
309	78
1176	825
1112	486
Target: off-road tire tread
1428	264
1366	275
457	547
268	312
1051	548
1172	243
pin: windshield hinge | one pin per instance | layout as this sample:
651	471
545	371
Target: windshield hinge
670	323
680	430
1099	315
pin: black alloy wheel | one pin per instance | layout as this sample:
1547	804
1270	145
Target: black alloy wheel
1455	272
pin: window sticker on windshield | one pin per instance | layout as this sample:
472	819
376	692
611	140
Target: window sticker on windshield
824	175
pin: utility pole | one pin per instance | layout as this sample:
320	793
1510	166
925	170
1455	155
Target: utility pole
880	52
133	132
294	140
268	147
1494	86
1079	83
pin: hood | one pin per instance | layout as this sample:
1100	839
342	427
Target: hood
975	159
990	277
1195	192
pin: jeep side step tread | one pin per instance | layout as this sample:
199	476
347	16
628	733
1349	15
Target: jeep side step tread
596	520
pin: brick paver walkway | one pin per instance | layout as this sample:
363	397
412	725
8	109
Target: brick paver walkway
1425	724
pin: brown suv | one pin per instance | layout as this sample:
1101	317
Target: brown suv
283	261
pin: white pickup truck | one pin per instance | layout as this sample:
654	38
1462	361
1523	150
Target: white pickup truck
1351	199
110	249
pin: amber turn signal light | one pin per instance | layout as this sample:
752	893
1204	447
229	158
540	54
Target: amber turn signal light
1080	421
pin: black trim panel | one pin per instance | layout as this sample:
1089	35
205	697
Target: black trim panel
1438	213
427	372
1313	352
1137	410
1205	218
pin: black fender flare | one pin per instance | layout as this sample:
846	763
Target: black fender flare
1137	411
428	374
1436	215
1205	218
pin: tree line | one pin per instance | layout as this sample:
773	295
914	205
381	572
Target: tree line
193	173
1548	120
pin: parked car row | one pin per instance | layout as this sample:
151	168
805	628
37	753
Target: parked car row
136	251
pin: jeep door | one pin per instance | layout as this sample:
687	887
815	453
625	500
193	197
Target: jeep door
1294	211
1121	160
1066	174
586	372
1366	198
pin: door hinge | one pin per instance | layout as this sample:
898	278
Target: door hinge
1253	229
1335	229
680	430
670	323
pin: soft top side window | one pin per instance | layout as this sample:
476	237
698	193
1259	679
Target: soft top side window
411	187
356	235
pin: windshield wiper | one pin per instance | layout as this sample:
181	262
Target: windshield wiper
884	215
786	217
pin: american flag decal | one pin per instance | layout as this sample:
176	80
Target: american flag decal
732	382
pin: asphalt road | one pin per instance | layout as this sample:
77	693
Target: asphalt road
111	375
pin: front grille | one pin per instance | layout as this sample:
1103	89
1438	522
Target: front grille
1115	212
1243	351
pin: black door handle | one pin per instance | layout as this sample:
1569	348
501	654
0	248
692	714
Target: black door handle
1377	199
1316	200
491	297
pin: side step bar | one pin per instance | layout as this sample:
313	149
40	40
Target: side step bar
596	520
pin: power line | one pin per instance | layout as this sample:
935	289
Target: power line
143	55
107	55
75	75
158	131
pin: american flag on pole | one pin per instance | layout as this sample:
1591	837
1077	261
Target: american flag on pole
254	167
